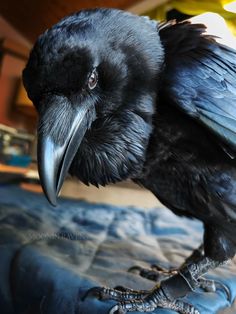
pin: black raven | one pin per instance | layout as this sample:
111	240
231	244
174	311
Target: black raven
119	96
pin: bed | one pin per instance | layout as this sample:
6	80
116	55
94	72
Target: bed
49	256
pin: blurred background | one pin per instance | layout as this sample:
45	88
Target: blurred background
21	22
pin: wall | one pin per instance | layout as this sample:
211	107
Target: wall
11	69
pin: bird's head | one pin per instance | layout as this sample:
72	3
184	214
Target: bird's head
93	80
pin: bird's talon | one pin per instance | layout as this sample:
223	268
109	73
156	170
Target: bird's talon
154	273
209	285
116	310
221	286
158	268
96	292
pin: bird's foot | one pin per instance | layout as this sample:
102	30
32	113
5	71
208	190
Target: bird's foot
164	295
157	273
142	301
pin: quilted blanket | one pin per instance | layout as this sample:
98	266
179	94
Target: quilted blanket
49	256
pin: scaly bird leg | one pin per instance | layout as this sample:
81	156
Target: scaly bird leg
163	295
158	273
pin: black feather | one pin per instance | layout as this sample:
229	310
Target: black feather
200	78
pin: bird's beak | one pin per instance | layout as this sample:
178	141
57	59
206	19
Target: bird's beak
55	159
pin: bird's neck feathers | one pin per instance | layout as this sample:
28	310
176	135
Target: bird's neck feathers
114	149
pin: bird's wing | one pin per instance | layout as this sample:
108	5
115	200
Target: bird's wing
200	78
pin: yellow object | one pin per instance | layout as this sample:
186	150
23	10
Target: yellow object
231	7
226	8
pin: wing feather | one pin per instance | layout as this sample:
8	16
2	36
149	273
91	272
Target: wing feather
200	78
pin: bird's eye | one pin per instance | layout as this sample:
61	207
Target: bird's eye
93	79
